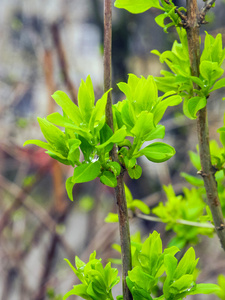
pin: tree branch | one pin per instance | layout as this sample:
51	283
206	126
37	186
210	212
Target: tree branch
119	190
202	125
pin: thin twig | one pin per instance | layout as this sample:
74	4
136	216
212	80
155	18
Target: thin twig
62	61
178	221
44	218
204	10
180	14
119	190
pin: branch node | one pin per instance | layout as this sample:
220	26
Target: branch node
201	173
208	5
221	227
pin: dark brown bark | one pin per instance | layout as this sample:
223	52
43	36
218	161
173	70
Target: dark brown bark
119	190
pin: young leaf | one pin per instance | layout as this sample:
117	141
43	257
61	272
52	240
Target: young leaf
194	105
117	137
109	179
69	187
135	172
140	205
86	172
205	288
86	99
70	109
157	152
45	146
144	124
137	7
112	218
54	136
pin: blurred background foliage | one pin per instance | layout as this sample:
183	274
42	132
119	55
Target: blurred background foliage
47	46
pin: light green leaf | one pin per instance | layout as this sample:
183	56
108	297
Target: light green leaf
144	124
218	85
45	146
54	136
206	288
192	179
69	187
195	104
157	152
129	197
135	172
112	218
187	264
86	172
181	284
59	120
210	71
170	265
109	179
139	6
70	109
156	133
117	137
163	105
114	167
140	205
86	99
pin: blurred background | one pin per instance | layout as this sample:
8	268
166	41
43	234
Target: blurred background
47	46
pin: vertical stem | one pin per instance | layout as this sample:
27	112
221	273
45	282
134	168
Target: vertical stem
119	190
202	125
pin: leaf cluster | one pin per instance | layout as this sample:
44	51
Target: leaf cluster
189	207
87	140
97	282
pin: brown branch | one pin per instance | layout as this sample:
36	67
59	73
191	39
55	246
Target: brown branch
44	218
202	125
63	62
119	190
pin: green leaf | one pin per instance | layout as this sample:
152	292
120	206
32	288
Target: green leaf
205	288
187	264
70	109
86	148
59	120
129	197
156	133
192	179
86	99
86	172
218	85
157	152
54	136
45	146
181	284
114	167
117	137
170	265
139	6
69	187
97	119
210	71
163	105
112	218
135	172
144	124
194	104
140	205
109	179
